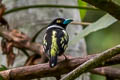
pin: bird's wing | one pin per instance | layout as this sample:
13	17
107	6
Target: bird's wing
62	41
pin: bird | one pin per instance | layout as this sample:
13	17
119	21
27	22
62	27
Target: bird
56	39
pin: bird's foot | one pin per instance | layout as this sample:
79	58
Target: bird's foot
65	57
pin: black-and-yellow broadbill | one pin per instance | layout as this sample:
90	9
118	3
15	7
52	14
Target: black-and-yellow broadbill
56	39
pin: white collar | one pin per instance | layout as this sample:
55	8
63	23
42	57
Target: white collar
56	26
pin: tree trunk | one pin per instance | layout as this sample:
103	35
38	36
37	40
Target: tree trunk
29	22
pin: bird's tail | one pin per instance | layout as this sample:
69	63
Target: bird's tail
53	61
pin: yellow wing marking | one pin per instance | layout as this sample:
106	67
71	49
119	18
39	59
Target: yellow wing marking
62	39
65	37
65	47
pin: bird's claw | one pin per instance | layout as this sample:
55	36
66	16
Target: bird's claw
65	57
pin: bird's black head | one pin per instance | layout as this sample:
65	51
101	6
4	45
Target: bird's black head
61	22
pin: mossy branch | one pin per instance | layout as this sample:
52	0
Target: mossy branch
92	63
110	6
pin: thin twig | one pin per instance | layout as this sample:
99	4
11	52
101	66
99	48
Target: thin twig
81	23
36	35
46	22
48	6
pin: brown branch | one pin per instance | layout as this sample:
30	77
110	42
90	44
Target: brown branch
21	40
110	72
43	70
93	63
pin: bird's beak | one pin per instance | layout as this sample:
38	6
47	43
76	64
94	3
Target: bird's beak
67	21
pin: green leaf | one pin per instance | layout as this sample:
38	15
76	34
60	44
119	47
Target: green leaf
2	68
117	2
97	77
1	78
102	23
82	11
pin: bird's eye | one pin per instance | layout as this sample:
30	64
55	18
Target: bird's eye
58	21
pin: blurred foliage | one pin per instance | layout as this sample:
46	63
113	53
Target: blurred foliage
101	23
2	68
103	39
1	78
83	11
97	77
117	2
